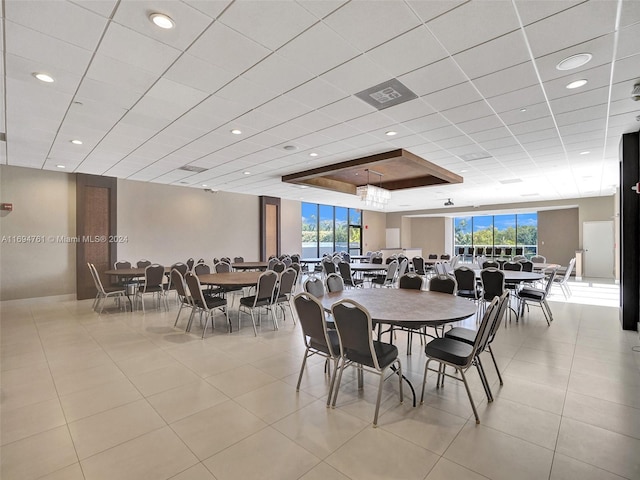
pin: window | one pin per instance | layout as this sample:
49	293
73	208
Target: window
502	233
328	229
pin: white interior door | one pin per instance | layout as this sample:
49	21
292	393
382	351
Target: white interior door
598	243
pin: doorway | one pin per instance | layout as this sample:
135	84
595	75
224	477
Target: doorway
598	244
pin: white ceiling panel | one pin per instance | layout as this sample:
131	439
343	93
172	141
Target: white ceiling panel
408	52
270	23
196	73
61	19
135	49
189	22
366	25
473	23
285	73
225	48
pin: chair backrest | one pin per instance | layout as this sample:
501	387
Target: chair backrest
376	260
153	275
539	259
193	283
201	269
354	326
439	268
527	266
454	262
391	271
346	257
390	259
512	266
402	268
177	280
418	265
552	276
190	263
181	267
226	259
312	320
314	286
295	258
465	277
480	251
279	267
238	259
287	261
143	263
484	330
433	256
443	284
519	258
296	266
345	272
267	284
222	267
121	265
334	283
272	262
492	282
508	251
445	256
567	273
503	304
328	266
96	278
490	264
519	251
411	281
460	250
287	281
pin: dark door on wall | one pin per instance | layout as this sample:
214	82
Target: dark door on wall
269	227
95	225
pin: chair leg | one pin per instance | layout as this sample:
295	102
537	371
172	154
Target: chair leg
495	364
304	363
379	397
336	388
483	379
473	405
253	320
332	380
424	381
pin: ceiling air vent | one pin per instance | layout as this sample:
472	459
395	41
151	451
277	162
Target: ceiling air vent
3	137
387	94
193	169
470	157
510	180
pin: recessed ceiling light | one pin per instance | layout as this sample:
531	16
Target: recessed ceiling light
235	131
313	154
289	148
60	166
43	77
161	20
391	133
76	142
205	185
523	109
586	152
79	104
246	173
576	84
574	61
463	170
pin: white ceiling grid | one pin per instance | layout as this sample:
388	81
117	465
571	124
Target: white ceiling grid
146	101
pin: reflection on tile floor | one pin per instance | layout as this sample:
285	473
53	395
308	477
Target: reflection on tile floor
126	395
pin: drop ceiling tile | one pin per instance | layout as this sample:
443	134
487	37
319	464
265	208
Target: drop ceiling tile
594	19
511	79
489	123
22	69
347	109
470	111
434	77
318	50
196	73
44	49
356	75
321	8
62	20
408	52
534	11
518	99
283	108
472	24
374	122
246	93
367	25
532	112
167	91
316	93
138	50
427	123
461	94
434	8
441	134
586	126
109	70
494	137
630	13
289	130
212	8
277	74
235	53
626	69
481	60
189	22
410	110
315	121
581	116
529	137
269	23
628	39
530	126
257	120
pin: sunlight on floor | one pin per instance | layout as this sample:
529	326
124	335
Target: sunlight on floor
589	292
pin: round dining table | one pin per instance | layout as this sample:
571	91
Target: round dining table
396	306
231	279
514	276
369	267
250	265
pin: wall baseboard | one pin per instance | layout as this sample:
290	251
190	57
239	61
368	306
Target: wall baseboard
38	300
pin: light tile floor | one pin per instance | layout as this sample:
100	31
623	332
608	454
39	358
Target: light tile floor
128	396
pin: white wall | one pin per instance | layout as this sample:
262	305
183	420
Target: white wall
44	206
290	226
167	224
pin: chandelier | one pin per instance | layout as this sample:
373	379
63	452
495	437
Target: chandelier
372	196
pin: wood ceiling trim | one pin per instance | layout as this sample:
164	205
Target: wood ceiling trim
400	169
